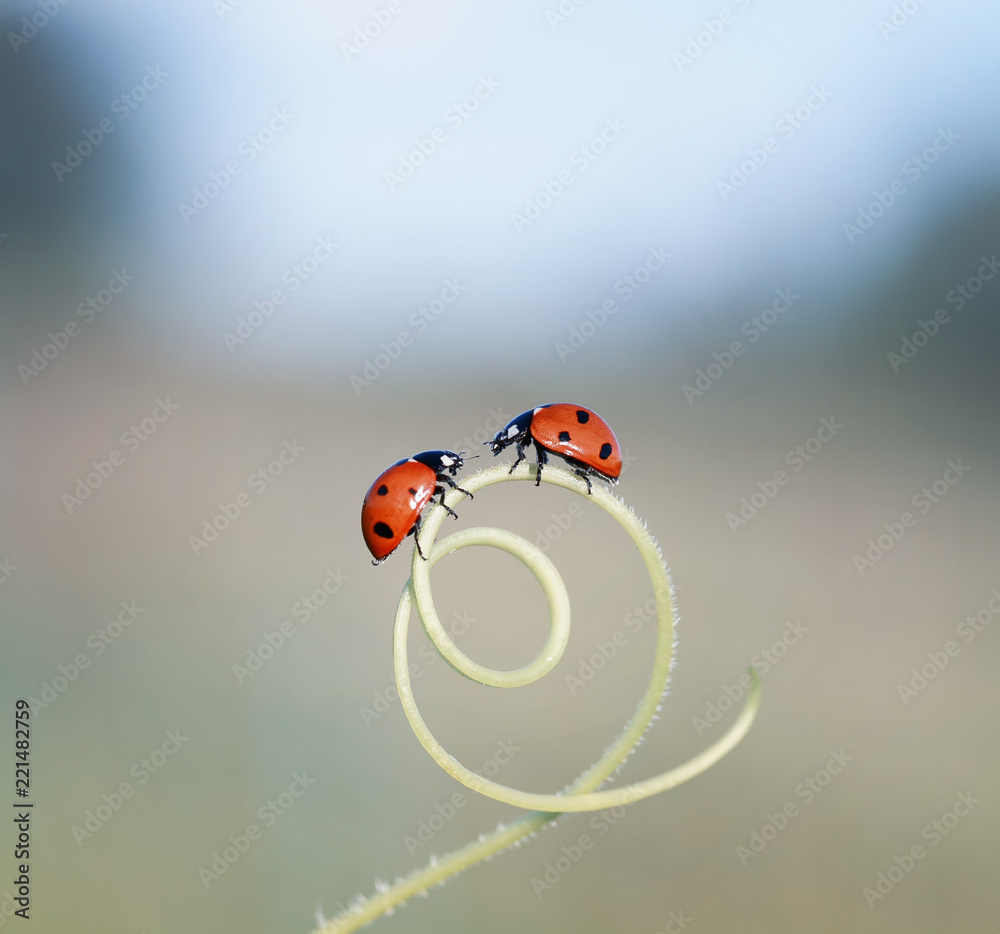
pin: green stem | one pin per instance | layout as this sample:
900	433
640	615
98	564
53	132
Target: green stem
581	795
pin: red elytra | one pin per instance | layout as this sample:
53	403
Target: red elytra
562	428
574	432
394	502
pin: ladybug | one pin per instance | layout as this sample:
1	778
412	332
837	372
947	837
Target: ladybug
577	434
393	504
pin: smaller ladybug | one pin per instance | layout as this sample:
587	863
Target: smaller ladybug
577	434
393	504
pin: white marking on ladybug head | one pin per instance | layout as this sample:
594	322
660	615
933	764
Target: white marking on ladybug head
446	460
512	431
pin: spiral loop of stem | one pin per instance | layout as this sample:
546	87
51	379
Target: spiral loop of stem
582	794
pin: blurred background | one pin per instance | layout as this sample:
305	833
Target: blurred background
252	253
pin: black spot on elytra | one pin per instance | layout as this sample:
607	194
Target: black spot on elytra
382	490
564	436
383	531
605	451
582	417
413	492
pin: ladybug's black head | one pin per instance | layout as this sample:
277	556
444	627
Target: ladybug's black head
515	432
441	461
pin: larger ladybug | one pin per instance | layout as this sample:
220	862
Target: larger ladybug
577	434
393	504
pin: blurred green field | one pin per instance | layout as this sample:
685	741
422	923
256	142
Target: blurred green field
216	331
320	704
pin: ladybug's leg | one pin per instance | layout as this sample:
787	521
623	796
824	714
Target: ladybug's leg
440	489
454	485
542	459
586	480
520	457
415	532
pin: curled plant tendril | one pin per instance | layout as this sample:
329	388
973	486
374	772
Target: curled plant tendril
581	795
